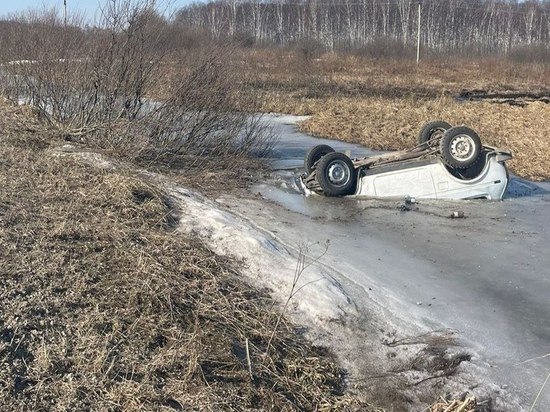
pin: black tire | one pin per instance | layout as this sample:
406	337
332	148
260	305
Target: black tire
336	175
314	155
460	147
433	130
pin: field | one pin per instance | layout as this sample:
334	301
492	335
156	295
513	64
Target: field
106	306
109	298
382	103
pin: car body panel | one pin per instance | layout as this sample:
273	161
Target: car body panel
398	182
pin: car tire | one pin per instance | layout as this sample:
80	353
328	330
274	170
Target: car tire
314	155
460	147
432	130
336	175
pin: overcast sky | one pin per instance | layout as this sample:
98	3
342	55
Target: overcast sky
88	6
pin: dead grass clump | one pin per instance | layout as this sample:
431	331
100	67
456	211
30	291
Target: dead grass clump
466	405
283	78
102	308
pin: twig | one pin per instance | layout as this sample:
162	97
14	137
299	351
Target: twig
248	360
442	334
301	265
532	359
429	378
540	391
466	404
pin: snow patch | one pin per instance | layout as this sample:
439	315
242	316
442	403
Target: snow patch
90	158
266	259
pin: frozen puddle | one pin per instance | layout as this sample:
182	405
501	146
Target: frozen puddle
288	163
292	146
485	276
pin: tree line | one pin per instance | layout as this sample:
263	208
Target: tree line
481	26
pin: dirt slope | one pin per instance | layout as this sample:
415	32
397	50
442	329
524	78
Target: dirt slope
103	307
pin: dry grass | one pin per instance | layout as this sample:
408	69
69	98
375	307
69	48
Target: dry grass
288	82
383	103
467	405
103	307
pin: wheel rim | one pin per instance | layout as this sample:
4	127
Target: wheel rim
338	173
463	147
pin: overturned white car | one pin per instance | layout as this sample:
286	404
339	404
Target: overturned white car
448	163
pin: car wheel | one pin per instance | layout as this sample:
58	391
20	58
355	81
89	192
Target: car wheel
336	175
460	147
432	130
314	155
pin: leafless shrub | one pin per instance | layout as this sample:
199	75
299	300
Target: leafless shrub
384	48
530	54
96	85
198	117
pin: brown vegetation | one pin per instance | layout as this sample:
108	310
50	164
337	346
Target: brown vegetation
466	405
95	86
104	308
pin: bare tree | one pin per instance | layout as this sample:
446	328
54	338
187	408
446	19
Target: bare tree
483	26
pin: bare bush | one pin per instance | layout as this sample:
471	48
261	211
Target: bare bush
97	84
198	118
309	49
384	48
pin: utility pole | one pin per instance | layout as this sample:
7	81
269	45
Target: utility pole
418	33
65	12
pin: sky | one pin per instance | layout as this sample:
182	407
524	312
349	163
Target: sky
88	6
